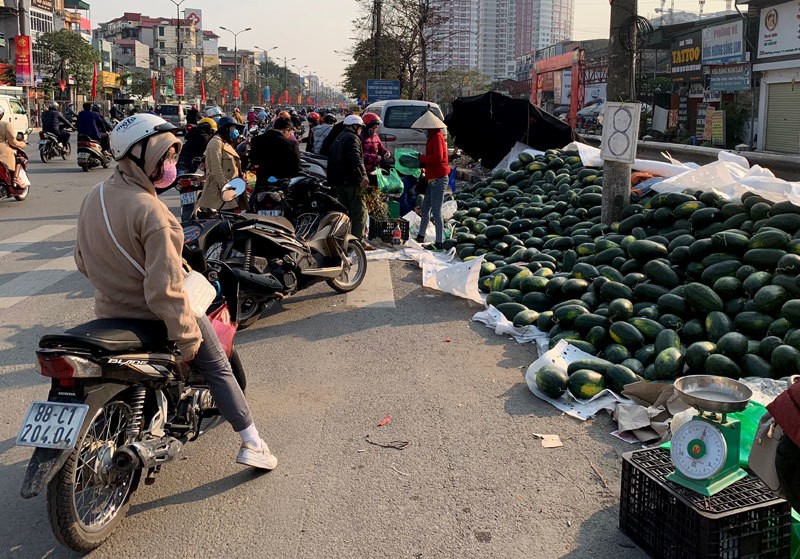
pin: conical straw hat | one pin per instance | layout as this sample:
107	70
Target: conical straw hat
428	121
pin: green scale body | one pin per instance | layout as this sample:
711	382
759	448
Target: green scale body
705	452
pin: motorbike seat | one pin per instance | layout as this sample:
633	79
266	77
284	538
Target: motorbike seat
111	335
274	221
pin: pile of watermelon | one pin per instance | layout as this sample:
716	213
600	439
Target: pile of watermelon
686	283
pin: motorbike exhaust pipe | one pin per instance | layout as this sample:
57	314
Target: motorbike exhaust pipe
147	454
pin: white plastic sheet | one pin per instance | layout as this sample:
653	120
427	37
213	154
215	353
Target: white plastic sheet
512	155
494	319
590	156
561	356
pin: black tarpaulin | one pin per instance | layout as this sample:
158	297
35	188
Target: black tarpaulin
487	126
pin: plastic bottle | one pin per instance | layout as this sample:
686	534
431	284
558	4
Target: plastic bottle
397	235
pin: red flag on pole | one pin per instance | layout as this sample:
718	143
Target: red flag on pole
223	95
203	90
244	96
236	90
272	100
94	82
153	87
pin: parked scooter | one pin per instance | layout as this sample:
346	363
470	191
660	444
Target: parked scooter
189	185
276	259
91	154
50	147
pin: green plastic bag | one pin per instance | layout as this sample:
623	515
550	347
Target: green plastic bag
389	184
400	155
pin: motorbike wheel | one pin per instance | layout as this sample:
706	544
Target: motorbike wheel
21	197
85	167
354	274
88	499
106	163
44	154
249	311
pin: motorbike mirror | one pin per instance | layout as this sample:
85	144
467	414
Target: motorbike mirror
20	136
234	188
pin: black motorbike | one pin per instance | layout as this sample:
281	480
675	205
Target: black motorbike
280	256
121	405
50	147
91	153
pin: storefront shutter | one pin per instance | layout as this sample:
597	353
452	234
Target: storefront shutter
783	118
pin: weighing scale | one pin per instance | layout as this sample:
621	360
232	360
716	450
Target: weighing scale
705	449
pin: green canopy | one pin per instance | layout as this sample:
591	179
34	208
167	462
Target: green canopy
76	4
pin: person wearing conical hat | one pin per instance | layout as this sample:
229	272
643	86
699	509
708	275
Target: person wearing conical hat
437	170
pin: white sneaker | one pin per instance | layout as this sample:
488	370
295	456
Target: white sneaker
260	458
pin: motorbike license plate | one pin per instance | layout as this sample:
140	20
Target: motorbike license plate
83	157
42	142
52	425
271	213
188	198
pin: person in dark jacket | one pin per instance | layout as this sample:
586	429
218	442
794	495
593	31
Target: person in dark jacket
191	115
195	144
92	124
55	123
334	132
274	153
346	172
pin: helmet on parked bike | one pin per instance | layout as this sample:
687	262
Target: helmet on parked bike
371	118
208	122
313	117
133	130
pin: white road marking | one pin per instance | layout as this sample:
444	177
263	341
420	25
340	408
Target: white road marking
23	240
35	281
376	289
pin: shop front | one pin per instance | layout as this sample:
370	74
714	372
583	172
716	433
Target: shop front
778	62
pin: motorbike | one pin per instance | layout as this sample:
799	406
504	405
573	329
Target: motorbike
278	256
189	184
91	153
15	188
50	147
121	405
315	165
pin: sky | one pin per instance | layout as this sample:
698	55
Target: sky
318	32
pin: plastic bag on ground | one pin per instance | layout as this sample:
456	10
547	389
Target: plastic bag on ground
494	319
457	278
449	209
512	156
561	356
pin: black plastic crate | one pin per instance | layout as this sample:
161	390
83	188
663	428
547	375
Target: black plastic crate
744	520
383	228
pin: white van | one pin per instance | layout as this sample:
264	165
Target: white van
15	113
397	116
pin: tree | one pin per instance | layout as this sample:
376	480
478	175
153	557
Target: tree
444	87
137	84
70	55
362	68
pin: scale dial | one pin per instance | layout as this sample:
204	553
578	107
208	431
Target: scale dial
698	450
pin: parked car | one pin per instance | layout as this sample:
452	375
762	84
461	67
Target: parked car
174	113
397	116
16	114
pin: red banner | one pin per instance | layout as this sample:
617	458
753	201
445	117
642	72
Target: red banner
236	89
203	90
94	82
23	60
223	92
244	96
272	100
153	88
179	85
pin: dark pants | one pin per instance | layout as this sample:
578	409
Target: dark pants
350	197
432	204
63	138
212	363
787	460
408	198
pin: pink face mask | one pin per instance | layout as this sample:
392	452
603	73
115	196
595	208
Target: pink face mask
169	172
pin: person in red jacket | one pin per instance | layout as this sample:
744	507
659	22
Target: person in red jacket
437	170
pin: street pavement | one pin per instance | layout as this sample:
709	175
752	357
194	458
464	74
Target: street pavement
323	370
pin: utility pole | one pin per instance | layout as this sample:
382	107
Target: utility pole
236	57
178	42
617	176
378	8
24	28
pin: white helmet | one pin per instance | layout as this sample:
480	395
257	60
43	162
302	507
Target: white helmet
350	120
133	130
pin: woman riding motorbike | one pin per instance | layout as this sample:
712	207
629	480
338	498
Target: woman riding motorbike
129	247
8	143
222	164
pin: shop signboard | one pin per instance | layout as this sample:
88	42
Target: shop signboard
557	91
779	30
730	78
718	128
24	60
710	96
686	62
47	5
700	122
566	86
683	109
706	128
548	82
379	90
723	43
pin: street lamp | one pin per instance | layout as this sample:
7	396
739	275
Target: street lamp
266	54
178	42
235	53
285	70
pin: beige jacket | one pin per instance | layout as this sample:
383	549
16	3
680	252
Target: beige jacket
8	140
149	232
222	165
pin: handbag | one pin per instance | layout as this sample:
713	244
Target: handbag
197	288
764	451
224	327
